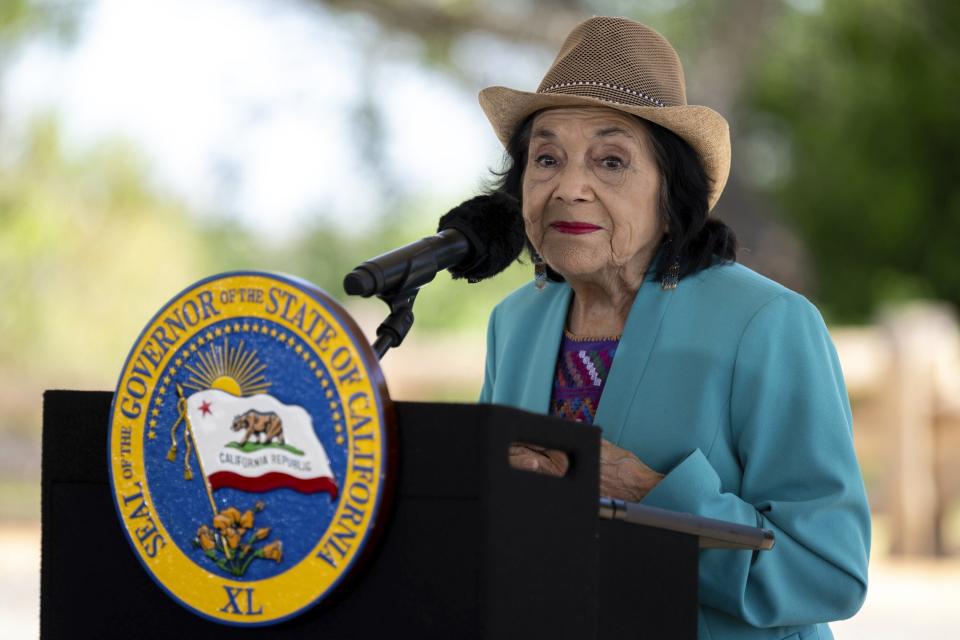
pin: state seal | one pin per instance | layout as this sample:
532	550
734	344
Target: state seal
250	447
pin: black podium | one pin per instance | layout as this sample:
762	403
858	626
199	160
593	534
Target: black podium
473	548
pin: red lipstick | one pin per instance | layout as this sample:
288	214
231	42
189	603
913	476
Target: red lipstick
575	227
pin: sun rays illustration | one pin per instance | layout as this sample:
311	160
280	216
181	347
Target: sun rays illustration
234	369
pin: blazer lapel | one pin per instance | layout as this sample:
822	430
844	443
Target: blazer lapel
545	346
633	353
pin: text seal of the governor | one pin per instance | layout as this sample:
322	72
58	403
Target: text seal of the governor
250	447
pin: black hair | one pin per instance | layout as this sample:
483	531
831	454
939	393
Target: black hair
693	240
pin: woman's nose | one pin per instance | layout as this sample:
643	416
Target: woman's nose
573	184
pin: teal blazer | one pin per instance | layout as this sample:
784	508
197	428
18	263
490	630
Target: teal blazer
730	385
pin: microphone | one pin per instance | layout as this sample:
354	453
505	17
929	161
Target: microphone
475	240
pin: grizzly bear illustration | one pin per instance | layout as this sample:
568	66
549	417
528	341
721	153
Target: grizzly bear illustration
264	428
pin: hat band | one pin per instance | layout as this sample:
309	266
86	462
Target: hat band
557	88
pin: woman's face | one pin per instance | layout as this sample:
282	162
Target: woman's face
590	193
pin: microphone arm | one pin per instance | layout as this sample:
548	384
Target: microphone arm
477	239
396	277
394	329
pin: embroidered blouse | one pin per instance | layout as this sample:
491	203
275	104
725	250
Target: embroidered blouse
582	370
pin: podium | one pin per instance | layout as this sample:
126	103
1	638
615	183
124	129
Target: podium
472	547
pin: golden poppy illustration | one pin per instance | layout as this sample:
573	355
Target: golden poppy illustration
249	447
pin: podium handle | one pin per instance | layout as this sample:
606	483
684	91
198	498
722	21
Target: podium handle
581	443
712	534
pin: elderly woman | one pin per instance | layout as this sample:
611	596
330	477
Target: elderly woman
718	391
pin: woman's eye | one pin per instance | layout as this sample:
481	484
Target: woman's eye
545	160
612	162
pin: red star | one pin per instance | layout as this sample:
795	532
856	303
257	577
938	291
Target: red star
205	408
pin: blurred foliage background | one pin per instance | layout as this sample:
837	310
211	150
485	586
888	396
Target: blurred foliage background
846	132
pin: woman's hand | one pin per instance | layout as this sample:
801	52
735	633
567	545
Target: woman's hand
531	457
623	476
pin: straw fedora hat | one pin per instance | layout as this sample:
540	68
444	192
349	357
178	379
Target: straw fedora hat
624	65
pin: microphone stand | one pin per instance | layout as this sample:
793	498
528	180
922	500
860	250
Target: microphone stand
394	329
404	273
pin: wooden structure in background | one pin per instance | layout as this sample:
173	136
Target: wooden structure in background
909	366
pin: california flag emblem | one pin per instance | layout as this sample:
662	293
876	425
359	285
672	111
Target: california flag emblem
249	448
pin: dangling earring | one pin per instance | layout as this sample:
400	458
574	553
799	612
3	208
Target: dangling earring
539	272
672	277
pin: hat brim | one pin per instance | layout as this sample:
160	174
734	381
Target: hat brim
703	128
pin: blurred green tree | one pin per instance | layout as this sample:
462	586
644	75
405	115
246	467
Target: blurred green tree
861	102
22	19
88	249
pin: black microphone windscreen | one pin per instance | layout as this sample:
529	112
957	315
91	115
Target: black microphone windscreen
494	226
